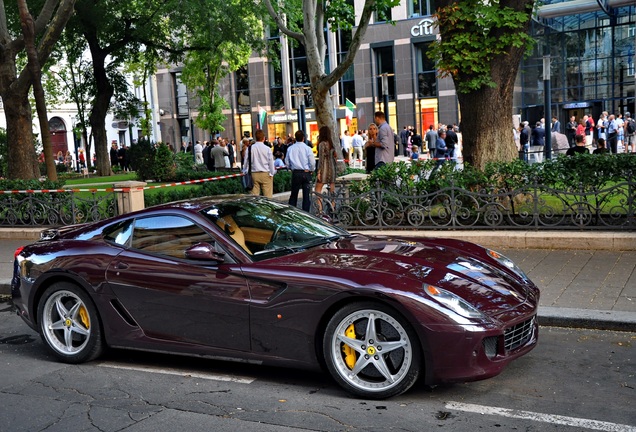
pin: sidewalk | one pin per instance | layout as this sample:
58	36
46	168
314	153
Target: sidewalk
587	279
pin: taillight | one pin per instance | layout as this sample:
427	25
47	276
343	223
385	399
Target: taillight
18	251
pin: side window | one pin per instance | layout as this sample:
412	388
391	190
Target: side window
120	233
167	235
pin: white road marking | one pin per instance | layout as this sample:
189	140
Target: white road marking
539	417
180	372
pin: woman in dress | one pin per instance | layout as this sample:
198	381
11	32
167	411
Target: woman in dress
370	149
327	157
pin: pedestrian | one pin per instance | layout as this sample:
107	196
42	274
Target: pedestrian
538	136
441	151
589	129
279	163
524	141
556	125
580	147
327	158
612	134
262	164
630	133
620	138
121	156
404	140
300	160
357	145
451	141
82	159
414	153
431	140
198	153
345	143
570	130
280	146
384	143
231	150
372	136
208	160
218	154
600	147
68	160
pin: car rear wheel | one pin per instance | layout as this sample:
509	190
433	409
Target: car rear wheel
69	323
371	351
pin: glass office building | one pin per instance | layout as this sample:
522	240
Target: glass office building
591	55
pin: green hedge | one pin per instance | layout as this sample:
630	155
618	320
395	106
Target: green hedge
582	172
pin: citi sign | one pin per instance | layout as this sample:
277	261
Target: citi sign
423	28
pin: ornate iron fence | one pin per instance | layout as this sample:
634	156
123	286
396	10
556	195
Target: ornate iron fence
531	207
55	208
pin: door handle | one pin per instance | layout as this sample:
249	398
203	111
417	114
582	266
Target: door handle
121	266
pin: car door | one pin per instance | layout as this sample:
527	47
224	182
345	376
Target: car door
173	298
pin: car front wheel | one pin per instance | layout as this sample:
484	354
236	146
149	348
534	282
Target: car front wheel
371	351
69	323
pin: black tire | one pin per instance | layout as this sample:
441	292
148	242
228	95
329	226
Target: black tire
69	323
383	365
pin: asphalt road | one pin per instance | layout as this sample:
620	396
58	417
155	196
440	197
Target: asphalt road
575	380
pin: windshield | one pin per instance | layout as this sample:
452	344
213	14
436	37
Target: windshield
266	228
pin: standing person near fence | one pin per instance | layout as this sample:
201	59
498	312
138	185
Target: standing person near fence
384	144
300	160
262	163
327	157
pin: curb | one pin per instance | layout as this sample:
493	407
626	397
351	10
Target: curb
587	319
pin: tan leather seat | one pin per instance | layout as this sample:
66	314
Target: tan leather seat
229	226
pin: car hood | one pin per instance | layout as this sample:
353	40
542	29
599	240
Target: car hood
396	263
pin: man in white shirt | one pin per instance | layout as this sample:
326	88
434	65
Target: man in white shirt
300	160
261	160
357	144
198	152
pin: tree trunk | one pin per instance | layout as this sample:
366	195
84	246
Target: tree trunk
484	144
22	159
33	65
101	104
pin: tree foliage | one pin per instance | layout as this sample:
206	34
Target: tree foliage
230	30
481	45
305	21
474	35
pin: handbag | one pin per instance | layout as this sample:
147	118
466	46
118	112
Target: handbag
246	180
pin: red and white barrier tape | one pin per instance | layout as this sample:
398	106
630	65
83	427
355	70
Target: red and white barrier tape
34	191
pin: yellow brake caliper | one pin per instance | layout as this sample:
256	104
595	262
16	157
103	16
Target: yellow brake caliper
350	353
83	314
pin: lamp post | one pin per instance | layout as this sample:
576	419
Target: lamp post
548	106
300	100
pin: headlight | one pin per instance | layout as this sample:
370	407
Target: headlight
508	263
453	302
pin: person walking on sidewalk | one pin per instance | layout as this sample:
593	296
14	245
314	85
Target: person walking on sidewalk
262	162
300	160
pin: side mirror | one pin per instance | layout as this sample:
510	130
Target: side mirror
204	252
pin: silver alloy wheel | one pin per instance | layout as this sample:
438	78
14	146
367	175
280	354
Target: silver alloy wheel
383	353
66	323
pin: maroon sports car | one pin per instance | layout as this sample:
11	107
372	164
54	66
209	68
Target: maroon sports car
254	280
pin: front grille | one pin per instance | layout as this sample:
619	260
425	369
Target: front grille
518	335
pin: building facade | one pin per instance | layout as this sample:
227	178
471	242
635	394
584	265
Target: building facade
591	55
